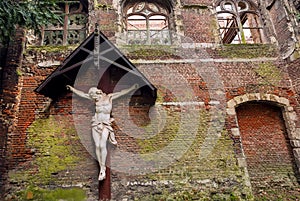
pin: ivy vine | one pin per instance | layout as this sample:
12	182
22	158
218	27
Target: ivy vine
29	14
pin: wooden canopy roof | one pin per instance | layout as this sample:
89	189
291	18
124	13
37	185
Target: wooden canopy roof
54	85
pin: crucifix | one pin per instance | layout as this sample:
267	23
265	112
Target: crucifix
102	131
101	124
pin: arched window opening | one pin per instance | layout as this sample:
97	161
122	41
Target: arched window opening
147	23
239	22
68	31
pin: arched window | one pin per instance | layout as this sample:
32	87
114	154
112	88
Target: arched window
146	23
239	22
72	28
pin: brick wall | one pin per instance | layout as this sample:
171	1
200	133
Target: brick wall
10	99
280	22
293	69
187	110
35	115
3	130
199	24
104	14
268	153
30	103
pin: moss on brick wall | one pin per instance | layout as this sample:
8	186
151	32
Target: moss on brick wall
50	141
269	73
213	177
247	51
162	139
52	48
150	52
39	194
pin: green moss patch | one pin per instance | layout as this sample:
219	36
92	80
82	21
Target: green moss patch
38	194
247	51
269	73
150	52
164	137
52	48
194	177
51	140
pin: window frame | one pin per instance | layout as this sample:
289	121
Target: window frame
241	18
149	39
64	26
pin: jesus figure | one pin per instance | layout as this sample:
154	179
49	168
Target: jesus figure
101	121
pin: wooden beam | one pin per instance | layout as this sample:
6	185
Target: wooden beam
105	185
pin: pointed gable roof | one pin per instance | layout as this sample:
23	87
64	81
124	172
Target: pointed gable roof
54	85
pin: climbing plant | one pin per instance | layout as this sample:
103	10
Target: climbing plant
30	14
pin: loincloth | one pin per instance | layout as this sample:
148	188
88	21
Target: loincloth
99	126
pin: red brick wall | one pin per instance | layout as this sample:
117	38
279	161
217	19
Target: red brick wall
103	14
239	77
266	147
31	104
294	71
10	100
199	24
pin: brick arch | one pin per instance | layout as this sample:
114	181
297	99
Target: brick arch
289	114
289	117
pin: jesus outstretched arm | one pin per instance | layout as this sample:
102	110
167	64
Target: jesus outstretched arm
124	92
78	92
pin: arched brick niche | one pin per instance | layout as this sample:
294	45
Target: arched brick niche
266	139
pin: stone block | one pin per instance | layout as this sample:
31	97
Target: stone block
295	134
231	111
284	101
295	143
235	131
296	153
231	103
242	162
